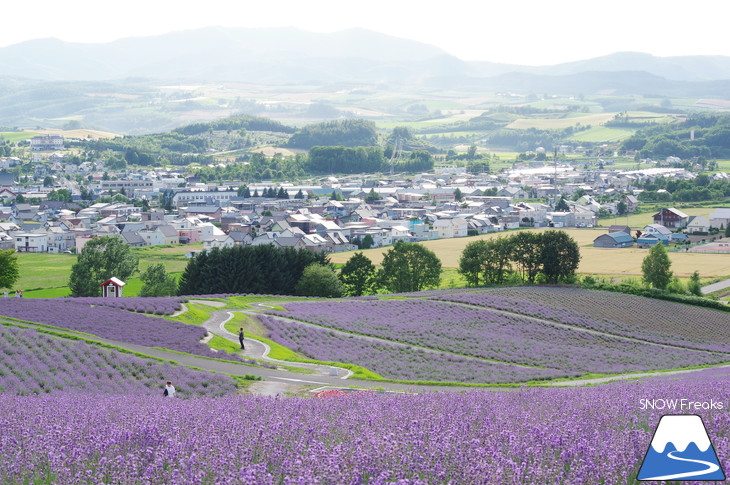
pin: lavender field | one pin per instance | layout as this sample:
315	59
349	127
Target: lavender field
688	321
487	334
398	361
644	319
551	436
108	322
34	363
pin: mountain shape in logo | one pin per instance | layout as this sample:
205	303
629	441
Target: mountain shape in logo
681	450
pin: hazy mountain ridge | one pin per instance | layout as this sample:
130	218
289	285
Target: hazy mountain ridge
137	85
277	54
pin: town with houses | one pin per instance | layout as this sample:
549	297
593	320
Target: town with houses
335	215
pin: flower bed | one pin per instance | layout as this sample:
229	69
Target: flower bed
110	323
556	436
617	313
35	363
492	335
397	361
166	305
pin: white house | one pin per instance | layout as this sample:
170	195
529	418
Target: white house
30	242
697	224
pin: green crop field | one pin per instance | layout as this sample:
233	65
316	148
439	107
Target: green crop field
561	122
16	136
606	134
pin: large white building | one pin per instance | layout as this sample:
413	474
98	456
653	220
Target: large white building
46	143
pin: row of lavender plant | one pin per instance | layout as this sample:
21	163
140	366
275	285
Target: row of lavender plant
487	334
164	305
35	363
110	323
567	316
556	436
687	321
397	361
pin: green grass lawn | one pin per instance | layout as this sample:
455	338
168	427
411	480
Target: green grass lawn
45	275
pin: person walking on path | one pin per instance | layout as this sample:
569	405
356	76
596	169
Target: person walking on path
169	390
240	338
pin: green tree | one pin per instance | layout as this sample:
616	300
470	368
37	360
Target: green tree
319	280
621	208
367	242
100	259
727	231
694	285
358	275
9	271
560	256
372	196
156	282
243	191
471	260
409	267
458	195
166	199
655	267
561	205
62	195
526	252
48	181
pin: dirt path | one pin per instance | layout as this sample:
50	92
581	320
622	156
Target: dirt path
255	349
622	377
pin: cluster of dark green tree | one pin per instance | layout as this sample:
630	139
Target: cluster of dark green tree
348	133
340	159
529	139
698	189
406	267
265	269
235	123
711	138
109	256
157	149
533	257
255	167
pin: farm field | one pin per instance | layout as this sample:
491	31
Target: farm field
593	260
56	431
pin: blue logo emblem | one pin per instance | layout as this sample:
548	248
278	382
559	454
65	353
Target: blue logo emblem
681	450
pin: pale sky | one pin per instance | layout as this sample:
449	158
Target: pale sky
530	32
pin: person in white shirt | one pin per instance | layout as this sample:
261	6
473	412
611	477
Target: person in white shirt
169	390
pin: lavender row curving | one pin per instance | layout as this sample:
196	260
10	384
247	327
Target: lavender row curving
493	335
397	361
109	323
558	308
164	305
687	321
35	363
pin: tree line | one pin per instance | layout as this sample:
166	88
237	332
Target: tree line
545	257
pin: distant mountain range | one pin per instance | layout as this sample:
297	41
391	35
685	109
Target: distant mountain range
143	85
289	55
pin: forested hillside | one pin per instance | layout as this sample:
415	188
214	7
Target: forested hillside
349	133
700	135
